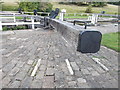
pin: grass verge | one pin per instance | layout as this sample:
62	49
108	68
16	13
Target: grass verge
111	40
9	8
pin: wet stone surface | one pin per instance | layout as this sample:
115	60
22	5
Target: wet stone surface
22	50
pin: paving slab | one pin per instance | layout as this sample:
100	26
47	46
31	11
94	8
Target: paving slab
21	50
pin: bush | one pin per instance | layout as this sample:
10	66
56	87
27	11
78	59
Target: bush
19	27
66	3
89	9
6	28
82	3
114	3
39	6
99	4
61	2
75	3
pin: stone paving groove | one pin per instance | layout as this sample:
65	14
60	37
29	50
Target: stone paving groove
21	51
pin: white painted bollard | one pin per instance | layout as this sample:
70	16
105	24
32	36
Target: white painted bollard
63	11
32	19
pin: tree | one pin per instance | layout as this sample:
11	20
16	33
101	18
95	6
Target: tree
45	7
28	6
114	3
89	9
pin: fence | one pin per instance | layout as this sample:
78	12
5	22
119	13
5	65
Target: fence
89	14
68	14
13	16
32	17
9	12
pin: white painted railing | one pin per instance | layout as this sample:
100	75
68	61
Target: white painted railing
38	13
78	14
14	15
89	14
14	19
66	14
11	12
18	23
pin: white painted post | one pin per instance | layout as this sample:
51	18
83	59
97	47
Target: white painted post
14	17
0	24
60	18
48	14
32	19
63	11
89	18
94	19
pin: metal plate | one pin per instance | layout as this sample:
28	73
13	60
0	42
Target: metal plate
89	41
